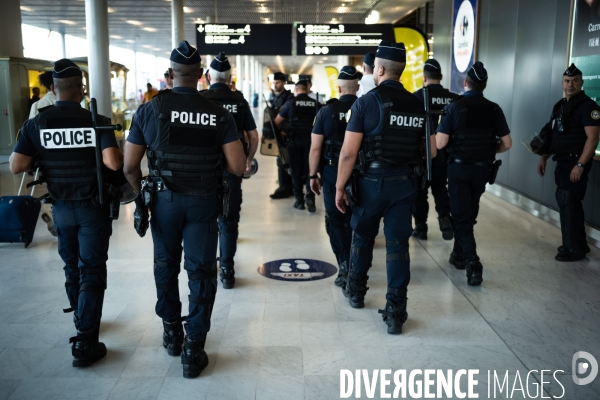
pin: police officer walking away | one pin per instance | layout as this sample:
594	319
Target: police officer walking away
327	139
385	132
61	139
470	131
301	112
190	140
219	74
575	127
366	82
281	96
438	99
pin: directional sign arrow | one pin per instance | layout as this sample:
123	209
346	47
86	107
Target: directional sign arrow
200	28
301	29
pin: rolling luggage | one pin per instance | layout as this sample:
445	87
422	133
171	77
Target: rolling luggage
18	216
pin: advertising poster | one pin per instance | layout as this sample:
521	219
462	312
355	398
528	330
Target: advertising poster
585	46
464	37
417	53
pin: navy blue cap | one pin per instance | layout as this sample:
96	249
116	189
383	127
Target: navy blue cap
66	68
302	82
220	63
432	65
348	73
185	54
572	71
391	51
369	59
478	73
279	76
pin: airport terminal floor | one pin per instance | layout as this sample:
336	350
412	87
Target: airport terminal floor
272	339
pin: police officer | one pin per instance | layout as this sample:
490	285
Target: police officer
61	139
438	99
327	138
189	140
385	133
575	125
300	112
281	96
219	74
366	81
470	130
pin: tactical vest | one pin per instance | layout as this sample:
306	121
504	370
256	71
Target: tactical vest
234	103
303	111
67	152
281	99
401	131
475	140
187	155
438	99
572	139
335	139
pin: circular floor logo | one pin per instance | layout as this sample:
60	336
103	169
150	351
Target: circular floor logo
297	270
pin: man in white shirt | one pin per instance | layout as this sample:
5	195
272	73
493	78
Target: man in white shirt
366	82
49	98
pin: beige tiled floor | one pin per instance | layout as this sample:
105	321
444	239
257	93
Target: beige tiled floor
289	340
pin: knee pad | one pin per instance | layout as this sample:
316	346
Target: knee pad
96	285
210	278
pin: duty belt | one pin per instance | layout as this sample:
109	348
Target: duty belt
388	178
331	162
459	161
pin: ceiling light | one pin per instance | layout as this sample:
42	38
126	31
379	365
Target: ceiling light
372	18
23	8
111	10
130	41
67	22
133	22
147	46
155	49
188	10
149	29
115	37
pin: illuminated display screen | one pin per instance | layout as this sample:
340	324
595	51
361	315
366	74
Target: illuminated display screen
244	39
341	39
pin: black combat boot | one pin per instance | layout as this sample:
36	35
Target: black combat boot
457	260
280	193
343	275
227	277
193	358
299	204
474	273
420	231
355	289
173	337
86	348
394	314
310	202
446	227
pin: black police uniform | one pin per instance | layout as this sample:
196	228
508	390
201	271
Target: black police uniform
331	123
474	125
438	99
568	139
300	112
286	187
228	225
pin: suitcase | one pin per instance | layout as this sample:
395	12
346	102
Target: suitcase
18	216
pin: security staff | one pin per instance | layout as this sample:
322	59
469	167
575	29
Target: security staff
281	96
189	140
327	138
61	139
219	74
575	128
385	133
366	82
300	112
438	99
471	130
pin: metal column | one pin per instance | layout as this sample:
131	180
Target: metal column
177	25
96	18
239	66
246	77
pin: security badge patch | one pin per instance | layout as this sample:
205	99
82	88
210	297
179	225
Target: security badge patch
596	115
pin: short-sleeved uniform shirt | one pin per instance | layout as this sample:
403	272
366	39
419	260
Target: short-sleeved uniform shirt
144	127
587	113
249	123
324	123
29	142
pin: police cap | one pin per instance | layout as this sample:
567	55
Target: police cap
432	65
478	73
369	59
220	63
348	73
185	54
391	51
66	68
279	76
572	71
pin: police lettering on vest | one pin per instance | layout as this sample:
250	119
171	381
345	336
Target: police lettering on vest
441	100
67	138
304	103
232	108
407	121
194	118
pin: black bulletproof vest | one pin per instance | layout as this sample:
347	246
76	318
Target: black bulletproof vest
231	101
475	140
67	152
304	111
187	155
572	139
400	140
335	138
281	99
438	99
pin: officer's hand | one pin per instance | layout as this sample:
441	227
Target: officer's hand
248	165
262	138
576	174
541	168
140	216
315	186
341	201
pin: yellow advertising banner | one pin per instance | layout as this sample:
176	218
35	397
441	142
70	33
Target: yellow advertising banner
332	77
417	53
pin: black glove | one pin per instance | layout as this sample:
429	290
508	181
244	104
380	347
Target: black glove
140	216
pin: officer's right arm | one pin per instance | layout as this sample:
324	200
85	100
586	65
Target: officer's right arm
131	164
235	158
21	159
112	157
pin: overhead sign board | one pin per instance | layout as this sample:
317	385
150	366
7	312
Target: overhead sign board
464	40
244	39
341	39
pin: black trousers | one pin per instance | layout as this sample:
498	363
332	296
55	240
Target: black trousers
439	189
299	163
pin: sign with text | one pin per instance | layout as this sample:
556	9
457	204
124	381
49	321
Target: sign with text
244	39
341	39
464	37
